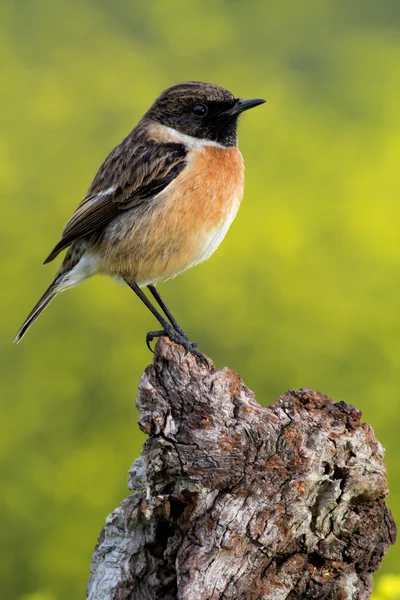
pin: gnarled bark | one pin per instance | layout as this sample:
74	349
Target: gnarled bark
237	501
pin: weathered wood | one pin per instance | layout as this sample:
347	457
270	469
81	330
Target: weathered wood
237	501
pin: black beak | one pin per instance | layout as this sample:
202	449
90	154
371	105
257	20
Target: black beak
242	105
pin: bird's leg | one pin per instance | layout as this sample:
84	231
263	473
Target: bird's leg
167	329
155	293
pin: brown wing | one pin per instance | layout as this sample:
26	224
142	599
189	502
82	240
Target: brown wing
132	174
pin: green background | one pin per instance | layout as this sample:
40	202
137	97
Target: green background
304	291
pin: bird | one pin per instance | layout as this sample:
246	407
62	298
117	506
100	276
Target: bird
161	202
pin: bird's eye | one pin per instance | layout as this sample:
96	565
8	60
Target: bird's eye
200	110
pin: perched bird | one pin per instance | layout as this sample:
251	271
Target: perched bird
161	202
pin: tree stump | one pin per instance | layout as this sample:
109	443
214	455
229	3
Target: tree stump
232	500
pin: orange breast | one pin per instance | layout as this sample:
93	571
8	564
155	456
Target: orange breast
188	222
204	195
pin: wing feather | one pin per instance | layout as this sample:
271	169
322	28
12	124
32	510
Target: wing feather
131	175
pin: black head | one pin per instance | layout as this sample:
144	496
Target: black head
201	110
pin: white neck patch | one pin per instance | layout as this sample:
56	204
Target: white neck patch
169	134
190	141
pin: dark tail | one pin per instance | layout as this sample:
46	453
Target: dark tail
44	301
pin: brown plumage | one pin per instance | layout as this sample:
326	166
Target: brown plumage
137	170
161	202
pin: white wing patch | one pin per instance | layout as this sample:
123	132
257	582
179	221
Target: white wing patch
98	195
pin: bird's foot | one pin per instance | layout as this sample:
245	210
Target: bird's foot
183	335
179	337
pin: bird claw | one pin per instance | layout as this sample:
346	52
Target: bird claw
179	338
151	335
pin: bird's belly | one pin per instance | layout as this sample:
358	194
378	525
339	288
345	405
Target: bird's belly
209	239
187	222
195	247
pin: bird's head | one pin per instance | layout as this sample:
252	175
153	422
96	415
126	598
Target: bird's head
201	110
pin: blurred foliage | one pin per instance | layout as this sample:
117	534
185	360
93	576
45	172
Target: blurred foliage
388	588
304	292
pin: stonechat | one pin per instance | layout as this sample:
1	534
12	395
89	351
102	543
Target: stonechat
162	201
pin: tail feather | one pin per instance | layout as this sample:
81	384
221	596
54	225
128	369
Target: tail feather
76	267
39	307
56	251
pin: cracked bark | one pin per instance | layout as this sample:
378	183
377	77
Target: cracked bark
237	501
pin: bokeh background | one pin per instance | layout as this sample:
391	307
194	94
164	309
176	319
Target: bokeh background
305	290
